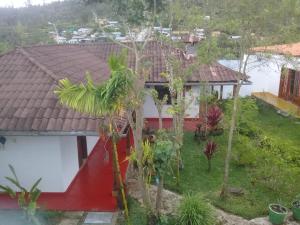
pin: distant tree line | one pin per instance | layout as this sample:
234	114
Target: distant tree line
29	25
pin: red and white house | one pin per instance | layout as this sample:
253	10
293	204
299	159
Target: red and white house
42	138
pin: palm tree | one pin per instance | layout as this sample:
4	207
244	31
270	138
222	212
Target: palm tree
102	100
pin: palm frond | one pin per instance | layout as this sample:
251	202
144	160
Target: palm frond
85	98
99	100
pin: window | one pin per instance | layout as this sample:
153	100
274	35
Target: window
162	91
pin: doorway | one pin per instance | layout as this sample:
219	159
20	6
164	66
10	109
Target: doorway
82	150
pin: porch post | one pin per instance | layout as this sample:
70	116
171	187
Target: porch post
221	92
234	90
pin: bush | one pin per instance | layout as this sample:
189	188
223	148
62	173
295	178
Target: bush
274	172
249	130
214	116
244	151
194	210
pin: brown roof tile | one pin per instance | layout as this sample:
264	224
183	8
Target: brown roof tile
29	75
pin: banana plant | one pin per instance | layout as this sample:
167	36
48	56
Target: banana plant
27	198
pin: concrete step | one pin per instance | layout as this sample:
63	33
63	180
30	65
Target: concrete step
100	218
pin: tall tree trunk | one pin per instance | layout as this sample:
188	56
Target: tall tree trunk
117	172
137	128
160	122
224	191
242	69
137	133
160	188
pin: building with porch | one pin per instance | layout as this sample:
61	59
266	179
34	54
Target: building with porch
41	138
274	72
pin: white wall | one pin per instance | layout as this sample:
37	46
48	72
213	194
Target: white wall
91	142
32	158
150	110
69	159
264	72
52	158
192	98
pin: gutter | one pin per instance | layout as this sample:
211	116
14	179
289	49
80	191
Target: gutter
58	133
197	83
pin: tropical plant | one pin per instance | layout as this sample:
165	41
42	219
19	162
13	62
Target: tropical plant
209	151
156	161
162	155
27	198
104	100
194	210
214	116
176	76
147	161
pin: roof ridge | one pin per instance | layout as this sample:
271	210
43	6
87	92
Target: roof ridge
38	64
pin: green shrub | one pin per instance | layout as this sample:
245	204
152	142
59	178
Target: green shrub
194	210
273	172
247	108
249	129
244	151
166	220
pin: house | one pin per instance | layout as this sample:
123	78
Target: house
44	139
288	61
275	75
84	31
60	40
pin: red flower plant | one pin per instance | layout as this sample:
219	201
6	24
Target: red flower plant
214	116
210	149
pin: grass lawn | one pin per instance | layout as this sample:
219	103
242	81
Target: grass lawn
138	214
254	203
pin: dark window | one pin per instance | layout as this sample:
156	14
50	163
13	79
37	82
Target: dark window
162	91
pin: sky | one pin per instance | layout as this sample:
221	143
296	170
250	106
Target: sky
22	3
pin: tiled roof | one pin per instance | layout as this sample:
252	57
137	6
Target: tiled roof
27	81
286	49
28	77
154	55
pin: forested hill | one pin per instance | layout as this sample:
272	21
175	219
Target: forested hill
26	26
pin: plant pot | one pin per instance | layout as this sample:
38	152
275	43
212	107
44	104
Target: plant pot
296	210
277	214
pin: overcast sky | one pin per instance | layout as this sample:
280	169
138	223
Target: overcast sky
21	3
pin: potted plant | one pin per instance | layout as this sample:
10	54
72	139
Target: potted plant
296	208
277	214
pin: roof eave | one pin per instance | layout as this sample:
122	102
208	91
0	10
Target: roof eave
49	133
195	83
